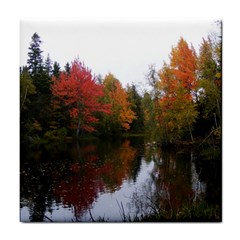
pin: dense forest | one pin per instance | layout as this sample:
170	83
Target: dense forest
182	103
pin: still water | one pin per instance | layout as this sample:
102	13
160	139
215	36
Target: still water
113	181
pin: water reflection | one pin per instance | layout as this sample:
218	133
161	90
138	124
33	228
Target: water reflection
175	182
75	177
198	187
90	179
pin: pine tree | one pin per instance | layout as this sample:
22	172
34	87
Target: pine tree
67	68
39	110
48	66
135	99
36	67
35	55
56	69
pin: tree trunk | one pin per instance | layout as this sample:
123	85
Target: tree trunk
25	95
215	119
219	113
190	131
78	128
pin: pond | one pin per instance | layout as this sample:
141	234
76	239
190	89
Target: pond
115	181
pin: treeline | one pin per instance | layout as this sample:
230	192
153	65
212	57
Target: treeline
184	101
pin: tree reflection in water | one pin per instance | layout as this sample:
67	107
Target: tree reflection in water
88	171
63	182
174	184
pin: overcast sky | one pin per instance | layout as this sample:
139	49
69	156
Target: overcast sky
124	49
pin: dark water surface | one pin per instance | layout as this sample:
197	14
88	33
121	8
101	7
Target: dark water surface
112	180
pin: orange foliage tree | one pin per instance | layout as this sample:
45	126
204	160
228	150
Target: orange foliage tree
183	61
79	91
117	96
177	86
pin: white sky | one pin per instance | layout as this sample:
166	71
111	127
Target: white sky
124	49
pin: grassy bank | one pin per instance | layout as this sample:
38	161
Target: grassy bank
199	212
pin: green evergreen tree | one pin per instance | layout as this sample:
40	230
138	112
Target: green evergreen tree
135	99
67	68
35	55
48	66
36	67
38	114
56	69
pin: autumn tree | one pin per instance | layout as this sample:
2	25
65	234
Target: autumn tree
177	92
183	61
122	115
167	87
80	93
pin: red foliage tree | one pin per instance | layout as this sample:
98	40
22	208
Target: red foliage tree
79	91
